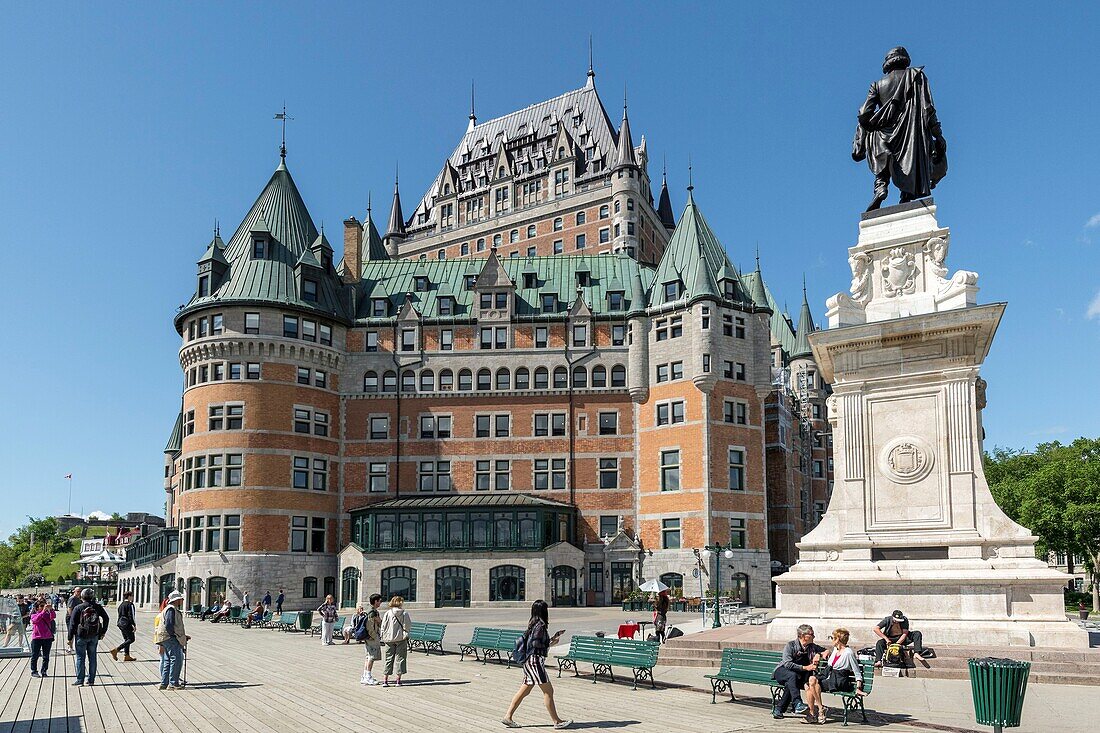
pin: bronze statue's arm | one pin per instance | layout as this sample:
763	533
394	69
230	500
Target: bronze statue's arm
869	106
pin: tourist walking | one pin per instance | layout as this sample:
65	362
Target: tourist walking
267	602
660	616
87	625
372	642
279	601
796	671
328	613
127	624
395	640
536	643
171	638
245	604
42	630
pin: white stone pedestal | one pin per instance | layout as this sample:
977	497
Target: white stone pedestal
911	523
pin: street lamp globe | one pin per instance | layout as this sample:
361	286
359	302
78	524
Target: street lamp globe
728	554
705	554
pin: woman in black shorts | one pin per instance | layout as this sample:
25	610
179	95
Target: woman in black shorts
537	642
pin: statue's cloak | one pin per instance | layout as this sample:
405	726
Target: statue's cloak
899	132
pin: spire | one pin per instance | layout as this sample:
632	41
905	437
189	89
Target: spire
691	180
664	205
758	294
805	327
396	226
625	155
591	69
282	116
473	117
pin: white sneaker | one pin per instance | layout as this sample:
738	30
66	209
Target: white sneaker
363	680
372	681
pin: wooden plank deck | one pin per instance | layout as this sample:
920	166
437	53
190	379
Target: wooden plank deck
264	681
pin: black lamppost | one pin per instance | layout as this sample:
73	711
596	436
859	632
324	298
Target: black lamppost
719	551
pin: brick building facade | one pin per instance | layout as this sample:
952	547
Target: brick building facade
539	383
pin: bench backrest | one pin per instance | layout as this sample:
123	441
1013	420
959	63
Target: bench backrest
629	652
288	617
589	647
495	638
196	610
427	632
868	675
750	664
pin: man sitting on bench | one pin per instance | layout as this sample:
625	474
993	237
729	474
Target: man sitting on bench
796	671
894	629
211	611
255	617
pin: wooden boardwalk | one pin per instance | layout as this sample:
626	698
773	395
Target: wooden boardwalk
264	681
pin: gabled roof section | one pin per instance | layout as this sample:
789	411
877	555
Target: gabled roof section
556	275
693	246
215	251
279	212
493	274
175	440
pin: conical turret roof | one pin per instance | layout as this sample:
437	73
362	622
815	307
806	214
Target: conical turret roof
805	328
397	219
664	206
625	154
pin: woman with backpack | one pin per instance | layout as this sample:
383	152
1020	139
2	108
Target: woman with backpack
42	626
395	640
532	649
329	613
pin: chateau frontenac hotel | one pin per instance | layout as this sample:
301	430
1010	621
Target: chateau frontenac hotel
539	383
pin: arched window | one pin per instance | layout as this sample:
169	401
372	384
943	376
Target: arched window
194	592
399	581
561	151
370	382
504	379
513	236
618	376
446	380
673	581
446	188
599	376
215	590
542	378
465	248
497	239
557	224
580	376
465	380
500	172
507	583
484	379
408	382
309	586
349	587
427	381
441	254
561	378
389	382
523	378
530	231
481	244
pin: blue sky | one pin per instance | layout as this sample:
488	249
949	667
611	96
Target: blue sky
126	129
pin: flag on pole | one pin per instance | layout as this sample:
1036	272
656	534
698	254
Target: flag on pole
68	475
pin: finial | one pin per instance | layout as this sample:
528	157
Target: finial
282	116
591	68
217	229
368	204
664	168
473	117
396	172
803	286
758	255
624	99
322	227
691	181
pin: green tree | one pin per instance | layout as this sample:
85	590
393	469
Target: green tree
1054	491
30	549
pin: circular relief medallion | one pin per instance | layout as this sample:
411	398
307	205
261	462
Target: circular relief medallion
906	459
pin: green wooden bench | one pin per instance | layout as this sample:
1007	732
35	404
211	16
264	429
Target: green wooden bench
267	620
287	621
337	626
196	610
491	642
234	615
427	636
605	653
755	667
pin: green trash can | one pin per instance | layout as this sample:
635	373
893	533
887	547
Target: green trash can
998	687
305	620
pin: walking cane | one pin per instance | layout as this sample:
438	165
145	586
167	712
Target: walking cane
183	682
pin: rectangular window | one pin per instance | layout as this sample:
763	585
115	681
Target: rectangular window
303	375
609	473
706	363
216	420
290	327
320	474
320	424
677	370
727	325
231	535
204	325
609	423
320	379
326	335
300	475
737	533
676	327
550	473
819	469
501	337
580	241
618	335
740	330
446	340
739	371
662	373
737	469
317	535
301	420
541	336
251	322
371	343
379	428
408	339
609	525
605	235
486	338
379	478
549	303
482	426
309	330
298	531
217	324
670	470
380	307
559	246
253	370
735	412
500	426
580	335
557	424
670	534
482	475
235	370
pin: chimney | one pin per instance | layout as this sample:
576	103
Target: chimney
353	250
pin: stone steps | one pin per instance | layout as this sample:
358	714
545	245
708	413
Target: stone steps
1048	666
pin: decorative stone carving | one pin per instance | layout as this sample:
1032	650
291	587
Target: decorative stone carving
861	276
906	459
936	249
899	273
979	392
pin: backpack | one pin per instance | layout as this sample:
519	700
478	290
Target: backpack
893	656
519	652
88	625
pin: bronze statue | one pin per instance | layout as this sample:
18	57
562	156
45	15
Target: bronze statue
898	132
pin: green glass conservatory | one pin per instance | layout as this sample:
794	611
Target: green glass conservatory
463	523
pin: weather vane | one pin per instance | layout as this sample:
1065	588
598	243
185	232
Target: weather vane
282	116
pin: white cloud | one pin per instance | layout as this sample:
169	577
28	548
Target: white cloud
1094	307
99	515
1093	222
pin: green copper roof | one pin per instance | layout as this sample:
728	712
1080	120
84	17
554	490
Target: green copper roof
175	440
279	212
555	275
215	251
805	328
693	246
781	329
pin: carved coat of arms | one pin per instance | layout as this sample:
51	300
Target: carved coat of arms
906	460
899	273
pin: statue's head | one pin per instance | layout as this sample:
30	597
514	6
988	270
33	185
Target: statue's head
896	58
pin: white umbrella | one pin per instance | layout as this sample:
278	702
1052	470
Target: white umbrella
653	586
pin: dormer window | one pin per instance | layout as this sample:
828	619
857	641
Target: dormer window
470	280
259	248
672	290
309	290
561	152
502	300
500	172
728	288
549	302
326	260
446	306
379	307
582	279
446	189
529	280
615	301
420	283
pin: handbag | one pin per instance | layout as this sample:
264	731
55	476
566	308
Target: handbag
835	680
